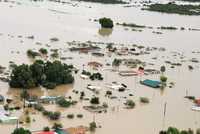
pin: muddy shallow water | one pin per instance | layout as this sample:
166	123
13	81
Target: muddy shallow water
71	22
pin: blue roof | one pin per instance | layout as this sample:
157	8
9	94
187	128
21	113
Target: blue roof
151	83
60	131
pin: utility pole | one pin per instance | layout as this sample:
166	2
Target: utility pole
24	97
164	114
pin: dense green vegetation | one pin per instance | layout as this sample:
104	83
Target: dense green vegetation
21	131
48	74
173	130
106	22
174	8
64	103
106	1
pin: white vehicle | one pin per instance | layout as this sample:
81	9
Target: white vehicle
195	108
84	76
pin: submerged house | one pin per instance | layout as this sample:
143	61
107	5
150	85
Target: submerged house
128	73
95	64
5	118
31	102
151	83
49	99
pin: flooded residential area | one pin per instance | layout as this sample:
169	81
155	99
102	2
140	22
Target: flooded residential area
99	67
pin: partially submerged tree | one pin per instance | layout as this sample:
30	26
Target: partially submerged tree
94	100
106	22
48	74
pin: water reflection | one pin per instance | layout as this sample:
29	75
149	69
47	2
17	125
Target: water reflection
105	31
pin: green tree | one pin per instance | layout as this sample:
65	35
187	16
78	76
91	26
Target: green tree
172	130
57	126
106	22
130	103
93	126
49	74
21	131
162	69
43	51
21	77
46	129
94	100
163	79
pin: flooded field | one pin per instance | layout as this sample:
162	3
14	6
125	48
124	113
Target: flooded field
74	21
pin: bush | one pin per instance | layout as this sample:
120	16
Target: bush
94	100
95	76
93	126
54	39
21	131
70	116
144	100
39	107
163	79
79	116
57	126
130	103
54	115
28	119
86	73
46	129
55	55
116	62
43	51
198	131
106	22
105	105
32	54
46	113
64	103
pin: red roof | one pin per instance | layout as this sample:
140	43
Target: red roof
197	101
49	132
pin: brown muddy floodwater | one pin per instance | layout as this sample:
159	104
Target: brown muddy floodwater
74	21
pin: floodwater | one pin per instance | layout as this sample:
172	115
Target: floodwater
75	21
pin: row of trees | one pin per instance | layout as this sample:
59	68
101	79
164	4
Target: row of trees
48	74
173	130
